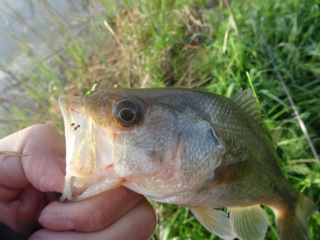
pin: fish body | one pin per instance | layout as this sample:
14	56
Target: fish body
184	147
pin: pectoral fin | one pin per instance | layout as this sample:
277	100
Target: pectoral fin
230	174
214	221
250	223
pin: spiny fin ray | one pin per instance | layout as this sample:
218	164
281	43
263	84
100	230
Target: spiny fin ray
248	103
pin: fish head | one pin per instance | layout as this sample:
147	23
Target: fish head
145	140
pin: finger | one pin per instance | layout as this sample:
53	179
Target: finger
92	214
41	161
137	224
21	215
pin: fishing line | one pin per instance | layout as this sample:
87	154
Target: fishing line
293	105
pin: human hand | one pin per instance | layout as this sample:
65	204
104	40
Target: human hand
29	183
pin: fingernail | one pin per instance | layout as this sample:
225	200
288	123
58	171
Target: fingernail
55	221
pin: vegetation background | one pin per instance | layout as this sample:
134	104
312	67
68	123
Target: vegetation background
212	45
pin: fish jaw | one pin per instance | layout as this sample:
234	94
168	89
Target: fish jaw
89	167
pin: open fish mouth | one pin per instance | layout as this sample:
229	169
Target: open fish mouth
80	155
88	170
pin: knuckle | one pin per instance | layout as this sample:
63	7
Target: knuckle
100	220
94	222
37	127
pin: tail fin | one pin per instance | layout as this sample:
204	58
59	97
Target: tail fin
293	225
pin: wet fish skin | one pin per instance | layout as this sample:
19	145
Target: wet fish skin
239	136
190	148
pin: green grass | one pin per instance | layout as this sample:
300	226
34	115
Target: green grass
181	43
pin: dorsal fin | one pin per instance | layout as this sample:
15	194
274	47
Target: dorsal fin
276	134
248	103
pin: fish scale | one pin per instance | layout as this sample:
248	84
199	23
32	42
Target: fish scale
184	147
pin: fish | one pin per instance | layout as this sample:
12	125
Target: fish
185	147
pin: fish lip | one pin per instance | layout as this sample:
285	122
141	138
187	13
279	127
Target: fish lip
88	152
65	101
70	107
77	124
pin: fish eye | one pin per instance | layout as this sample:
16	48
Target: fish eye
127	112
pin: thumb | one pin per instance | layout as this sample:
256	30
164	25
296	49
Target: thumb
41	161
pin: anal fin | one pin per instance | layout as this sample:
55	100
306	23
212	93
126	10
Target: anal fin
215	221
249	223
